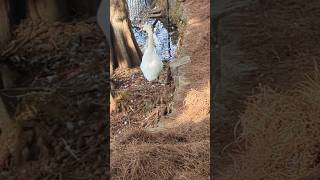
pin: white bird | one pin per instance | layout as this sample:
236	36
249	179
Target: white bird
151	64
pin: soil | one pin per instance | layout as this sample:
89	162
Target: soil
60	102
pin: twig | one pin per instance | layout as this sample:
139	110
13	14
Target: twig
18	45
27	89
88	177
46	91
68	148
154	23
156	16
131	108
54	44
23	95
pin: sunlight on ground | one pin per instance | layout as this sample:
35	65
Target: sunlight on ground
195	22
196	106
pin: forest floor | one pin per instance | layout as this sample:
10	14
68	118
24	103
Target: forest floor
60	102
162	131
267	117
140	104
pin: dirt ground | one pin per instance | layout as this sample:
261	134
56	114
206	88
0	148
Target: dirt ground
162	131
60	102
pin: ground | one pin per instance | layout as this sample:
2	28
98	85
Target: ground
265	108
164	131
60	94
140	103
266	50
158	131
163	127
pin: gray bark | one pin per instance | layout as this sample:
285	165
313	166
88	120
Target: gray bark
4	22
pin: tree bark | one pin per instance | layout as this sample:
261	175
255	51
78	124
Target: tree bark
4	22
127	53
7	129
124	50
84	6
103	16
4	119
8	135
46	10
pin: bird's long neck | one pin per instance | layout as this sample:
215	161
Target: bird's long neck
150	40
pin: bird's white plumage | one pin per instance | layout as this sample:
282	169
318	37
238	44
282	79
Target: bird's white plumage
151	64
155	38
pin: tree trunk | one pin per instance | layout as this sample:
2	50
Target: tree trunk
84	7
4	119
4	22
46	10
6	124
8	129
126	50
8	135
103	15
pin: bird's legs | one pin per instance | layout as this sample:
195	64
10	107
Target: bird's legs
156	81
162	82
153	82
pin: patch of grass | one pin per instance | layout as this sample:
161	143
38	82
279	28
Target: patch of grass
123	96
148	106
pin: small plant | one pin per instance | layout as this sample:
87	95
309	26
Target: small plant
148	106
123	96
